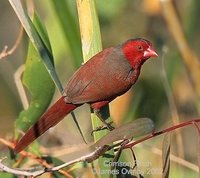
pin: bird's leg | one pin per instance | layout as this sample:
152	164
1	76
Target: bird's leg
97	109
102	127
107	125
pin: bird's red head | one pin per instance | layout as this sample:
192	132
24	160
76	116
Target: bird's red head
137	51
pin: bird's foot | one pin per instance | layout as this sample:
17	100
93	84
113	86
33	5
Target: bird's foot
103	127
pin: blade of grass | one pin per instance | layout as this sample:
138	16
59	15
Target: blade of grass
91	44
166	155
70	29
175	28
37	41
72	35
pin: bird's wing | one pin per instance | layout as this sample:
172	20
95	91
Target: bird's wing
103	77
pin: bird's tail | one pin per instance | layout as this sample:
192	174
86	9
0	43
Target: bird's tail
49	119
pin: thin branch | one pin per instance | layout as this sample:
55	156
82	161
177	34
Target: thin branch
21	172
5	52
31	156
169	129
92	155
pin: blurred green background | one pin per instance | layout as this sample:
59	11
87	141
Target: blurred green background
119	20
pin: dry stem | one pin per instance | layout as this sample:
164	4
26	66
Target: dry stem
5	52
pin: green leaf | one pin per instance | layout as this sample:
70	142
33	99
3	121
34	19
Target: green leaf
38	82
37	40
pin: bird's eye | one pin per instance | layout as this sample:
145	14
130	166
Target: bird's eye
139	48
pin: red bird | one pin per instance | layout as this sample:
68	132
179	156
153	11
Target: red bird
107	75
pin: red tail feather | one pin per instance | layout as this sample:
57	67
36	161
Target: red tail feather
49	119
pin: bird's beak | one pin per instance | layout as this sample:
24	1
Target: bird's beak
150	52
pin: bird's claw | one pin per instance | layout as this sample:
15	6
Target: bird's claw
103	127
